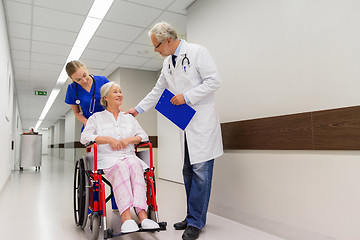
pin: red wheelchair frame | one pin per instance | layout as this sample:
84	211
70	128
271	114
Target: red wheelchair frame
89	193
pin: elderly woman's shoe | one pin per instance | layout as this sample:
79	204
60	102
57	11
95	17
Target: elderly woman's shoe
149	224
129	226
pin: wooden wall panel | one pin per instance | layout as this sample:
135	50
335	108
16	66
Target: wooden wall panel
337	129
283	132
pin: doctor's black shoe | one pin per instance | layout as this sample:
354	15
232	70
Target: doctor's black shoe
191	233
180	225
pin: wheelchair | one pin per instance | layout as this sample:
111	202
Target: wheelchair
90	197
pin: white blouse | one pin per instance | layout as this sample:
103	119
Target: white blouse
104	124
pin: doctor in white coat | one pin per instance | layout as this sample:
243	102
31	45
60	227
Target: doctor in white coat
190	73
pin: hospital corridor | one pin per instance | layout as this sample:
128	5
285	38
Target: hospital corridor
252	108
38	205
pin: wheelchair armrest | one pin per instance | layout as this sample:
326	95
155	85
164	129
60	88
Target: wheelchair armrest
144	144
89	144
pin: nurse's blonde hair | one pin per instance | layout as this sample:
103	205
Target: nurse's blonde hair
104	91
162	31
72	66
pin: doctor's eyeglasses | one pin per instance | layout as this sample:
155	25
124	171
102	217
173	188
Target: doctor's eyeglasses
159	45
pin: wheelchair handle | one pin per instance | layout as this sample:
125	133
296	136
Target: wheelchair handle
90	143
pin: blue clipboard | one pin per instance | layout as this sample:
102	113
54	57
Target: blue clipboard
180	115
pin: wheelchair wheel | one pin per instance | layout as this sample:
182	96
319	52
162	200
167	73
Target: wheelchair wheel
81	194
95	226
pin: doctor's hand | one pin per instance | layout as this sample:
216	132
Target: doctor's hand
178	99
132	111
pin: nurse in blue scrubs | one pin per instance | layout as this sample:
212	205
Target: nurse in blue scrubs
83	94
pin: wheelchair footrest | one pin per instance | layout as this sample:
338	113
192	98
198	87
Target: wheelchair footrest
108	233
162	226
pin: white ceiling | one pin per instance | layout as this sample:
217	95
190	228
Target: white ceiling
42	32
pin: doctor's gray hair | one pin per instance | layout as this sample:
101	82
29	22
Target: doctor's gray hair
104	91
162	31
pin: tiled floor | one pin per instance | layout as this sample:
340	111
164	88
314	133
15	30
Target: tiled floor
39	206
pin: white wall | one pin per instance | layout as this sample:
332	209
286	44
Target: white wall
6	107
16	135
44	141
70	134
51	140
282	57
59	138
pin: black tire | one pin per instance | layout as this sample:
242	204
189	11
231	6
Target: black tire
95	226
150	211
81	194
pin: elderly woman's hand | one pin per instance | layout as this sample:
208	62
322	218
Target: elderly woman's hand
123	143
114	144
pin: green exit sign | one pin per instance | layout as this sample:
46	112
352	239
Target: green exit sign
41	92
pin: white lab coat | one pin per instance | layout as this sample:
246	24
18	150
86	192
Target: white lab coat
199	82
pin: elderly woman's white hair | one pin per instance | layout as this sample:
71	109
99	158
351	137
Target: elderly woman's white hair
104	91
162	31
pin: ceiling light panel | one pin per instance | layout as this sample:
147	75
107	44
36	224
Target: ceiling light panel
100	8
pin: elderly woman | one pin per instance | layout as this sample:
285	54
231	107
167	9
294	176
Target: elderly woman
116	133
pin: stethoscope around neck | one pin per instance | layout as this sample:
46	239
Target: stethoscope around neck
185	61
93	98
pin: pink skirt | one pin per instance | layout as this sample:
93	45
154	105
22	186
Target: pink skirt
128	183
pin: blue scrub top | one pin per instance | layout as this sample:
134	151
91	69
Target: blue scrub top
85	96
